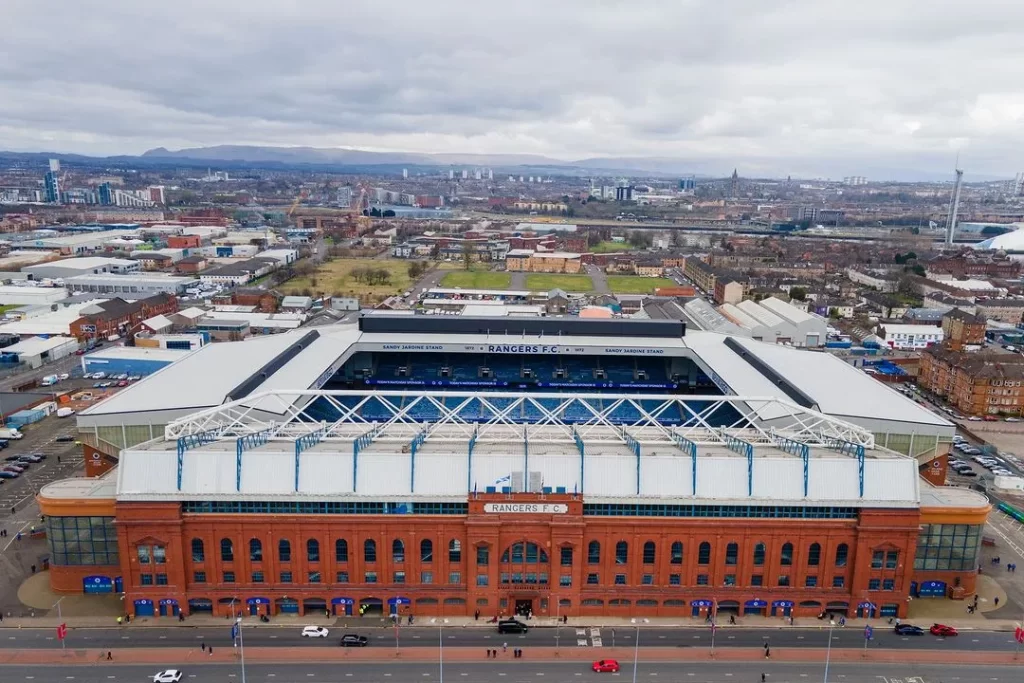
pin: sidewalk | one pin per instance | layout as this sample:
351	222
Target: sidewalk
292	621
181	657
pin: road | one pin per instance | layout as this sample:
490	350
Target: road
511	671
568	636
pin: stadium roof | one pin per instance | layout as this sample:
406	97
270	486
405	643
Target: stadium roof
304	359
1009	241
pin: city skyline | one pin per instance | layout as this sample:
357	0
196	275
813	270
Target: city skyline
705	84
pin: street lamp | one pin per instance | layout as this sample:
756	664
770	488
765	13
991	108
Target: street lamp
241	644
828	650
636	652
63	644
440	650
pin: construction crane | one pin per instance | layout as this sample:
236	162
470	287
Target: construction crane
295	204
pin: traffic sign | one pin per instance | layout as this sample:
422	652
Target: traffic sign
62	631
868	632
1018	634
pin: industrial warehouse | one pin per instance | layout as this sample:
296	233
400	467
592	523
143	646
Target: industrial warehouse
512	466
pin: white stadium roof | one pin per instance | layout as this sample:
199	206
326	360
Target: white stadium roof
304	359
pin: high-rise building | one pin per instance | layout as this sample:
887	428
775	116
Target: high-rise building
451	174
688	183
1018	185
106	194
490	174
405	173
465	174
52	182
156	194
478	175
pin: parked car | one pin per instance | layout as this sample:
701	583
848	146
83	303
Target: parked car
974	418
29	458
13	467
606	666
991	418
942	630
8	474
352	640
908	630
512	626
315	632
63	438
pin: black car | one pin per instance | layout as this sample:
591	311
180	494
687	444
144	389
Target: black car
4	444
352	640
29	458
512	626
8	474
12	458
65	438
909	630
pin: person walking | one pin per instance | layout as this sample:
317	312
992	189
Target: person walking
110	655
504	647
202	646
762	678
209	650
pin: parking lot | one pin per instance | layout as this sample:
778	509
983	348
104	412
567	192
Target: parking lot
63	459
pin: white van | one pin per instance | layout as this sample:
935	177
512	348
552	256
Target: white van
65	412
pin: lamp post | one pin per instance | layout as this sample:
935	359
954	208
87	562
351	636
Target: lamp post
63	644
828	650
241	645
636	653
440	651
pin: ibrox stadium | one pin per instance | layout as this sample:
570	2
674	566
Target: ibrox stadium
441	466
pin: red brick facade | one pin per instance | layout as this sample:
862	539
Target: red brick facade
638	578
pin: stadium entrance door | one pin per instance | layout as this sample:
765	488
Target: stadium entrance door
524	608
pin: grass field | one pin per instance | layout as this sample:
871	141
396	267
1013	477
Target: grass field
335	278
631	284
545	282
609	247
468	279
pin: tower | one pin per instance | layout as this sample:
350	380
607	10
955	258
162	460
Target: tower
52	182
954	207
734	184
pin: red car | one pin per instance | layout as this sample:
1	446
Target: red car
942	630
990	418
606	665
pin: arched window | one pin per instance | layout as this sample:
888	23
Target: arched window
198	550
524	553
759	555
312	550
814	555
787	555
284	550
227	550
369	550
621	552
341	550
426	550
397	550
594	553
732	554
649	552
455	550
255	550
677	552
842	551
704	553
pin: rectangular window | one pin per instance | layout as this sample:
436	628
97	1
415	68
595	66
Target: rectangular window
314	577
757	580
229	577
783	579
876	559
161	579
198	577
286	577
730	580
147	579
675	580
481	579
592	580
426	577
566	557
647	580
811	582
370	577
143	551
257	577
889	585
702	579
565	580
838	581
874	584
341	577
891	558
620	579
483	555
160	554
454	578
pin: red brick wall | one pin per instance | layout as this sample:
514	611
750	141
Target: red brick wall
161	523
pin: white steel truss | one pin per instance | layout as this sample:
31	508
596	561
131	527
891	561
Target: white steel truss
497	417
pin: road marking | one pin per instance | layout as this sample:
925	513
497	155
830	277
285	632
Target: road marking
348	674
974	640
732	637
696	637
111	676
272	637
463	674
803	675
271	675
663	637
799	637
163	637
310	675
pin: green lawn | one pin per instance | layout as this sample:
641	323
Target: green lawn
9	307
467	279
336	278
610	247
545	282
631	284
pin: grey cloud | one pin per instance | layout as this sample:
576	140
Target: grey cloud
823	86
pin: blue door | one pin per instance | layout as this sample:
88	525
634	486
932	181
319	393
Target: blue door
144	608
287	606
118	585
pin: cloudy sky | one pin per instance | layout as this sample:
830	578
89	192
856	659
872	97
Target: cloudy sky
885	88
